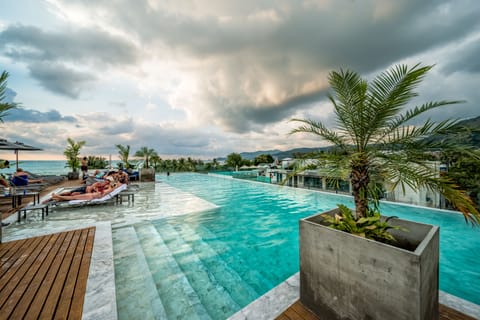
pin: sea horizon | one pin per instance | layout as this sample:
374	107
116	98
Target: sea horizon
43	167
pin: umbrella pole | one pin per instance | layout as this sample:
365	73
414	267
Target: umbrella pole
16	158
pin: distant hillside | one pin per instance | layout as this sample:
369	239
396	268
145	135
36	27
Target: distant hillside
474	124
252	155
278	154
473	138
290	153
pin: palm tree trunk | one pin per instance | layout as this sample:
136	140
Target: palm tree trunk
360	179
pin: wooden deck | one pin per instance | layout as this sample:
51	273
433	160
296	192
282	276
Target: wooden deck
298	312
45	277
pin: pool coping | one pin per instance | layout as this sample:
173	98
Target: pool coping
100	297
274	302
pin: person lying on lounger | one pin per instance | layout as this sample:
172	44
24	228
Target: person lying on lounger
98	186
87	196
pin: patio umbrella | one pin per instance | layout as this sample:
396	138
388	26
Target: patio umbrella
16	146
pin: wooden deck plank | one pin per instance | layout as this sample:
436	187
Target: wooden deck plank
447	313
30	292
66	296
302	313
81	286
291	314
12	277
13	254
9	249
282	317
25	278
54	296
41	296
48	275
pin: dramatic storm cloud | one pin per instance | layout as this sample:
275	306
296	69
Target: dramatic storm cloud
206	78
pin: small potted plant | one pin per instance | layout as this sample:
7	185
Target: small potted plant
358	264
72	153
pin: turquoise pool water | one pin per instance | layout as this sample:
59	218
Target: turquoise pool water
209	265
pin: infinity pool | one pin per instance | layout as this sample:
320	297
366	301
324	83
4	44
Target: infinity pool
212	263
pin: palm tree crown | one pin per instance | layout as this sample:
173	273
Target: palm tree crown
146	154
124	154
72	152
374	140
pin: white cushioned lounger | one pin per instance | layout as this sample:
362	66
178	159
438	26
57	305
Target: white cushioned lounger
106	197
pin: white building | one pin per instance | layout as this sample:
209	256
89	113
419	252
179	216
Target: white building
314	179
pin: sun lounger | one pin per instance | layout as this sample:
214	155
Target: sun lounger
105	199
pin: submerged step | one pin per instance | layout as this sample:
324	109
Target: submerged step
137	296
213	295
239	290
258	281
178	297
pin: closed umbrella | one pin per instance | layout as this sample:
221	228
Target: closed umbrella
16	146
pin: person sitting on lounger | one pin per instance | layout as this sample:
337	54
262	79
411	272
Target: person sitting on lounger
95	177
121	176
22	178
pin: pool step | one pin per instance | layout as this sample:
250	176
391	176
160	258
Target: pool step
259	282
137	298
240	291
178	297
213	295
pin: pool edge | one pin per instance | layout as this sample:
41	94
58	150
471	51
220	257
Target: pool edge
100	297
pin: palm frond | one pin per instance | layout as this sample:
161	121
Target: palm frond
350	91
402	119
420	174
317	128
393	88
418	135
4	106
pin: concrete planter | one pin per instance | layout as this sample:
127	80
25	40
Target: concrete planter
73	175
147	174
343	276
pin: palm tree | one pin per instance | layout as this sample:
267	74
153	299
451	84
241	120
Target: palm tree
375	141
156	161
4	106
123	154
72	152
146	154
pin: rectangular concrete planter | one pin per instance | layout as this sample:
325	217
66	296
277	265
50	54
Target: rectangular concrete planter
343	276
147	174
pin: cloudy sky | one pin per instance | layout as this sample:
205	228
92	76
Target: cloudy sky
204	78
